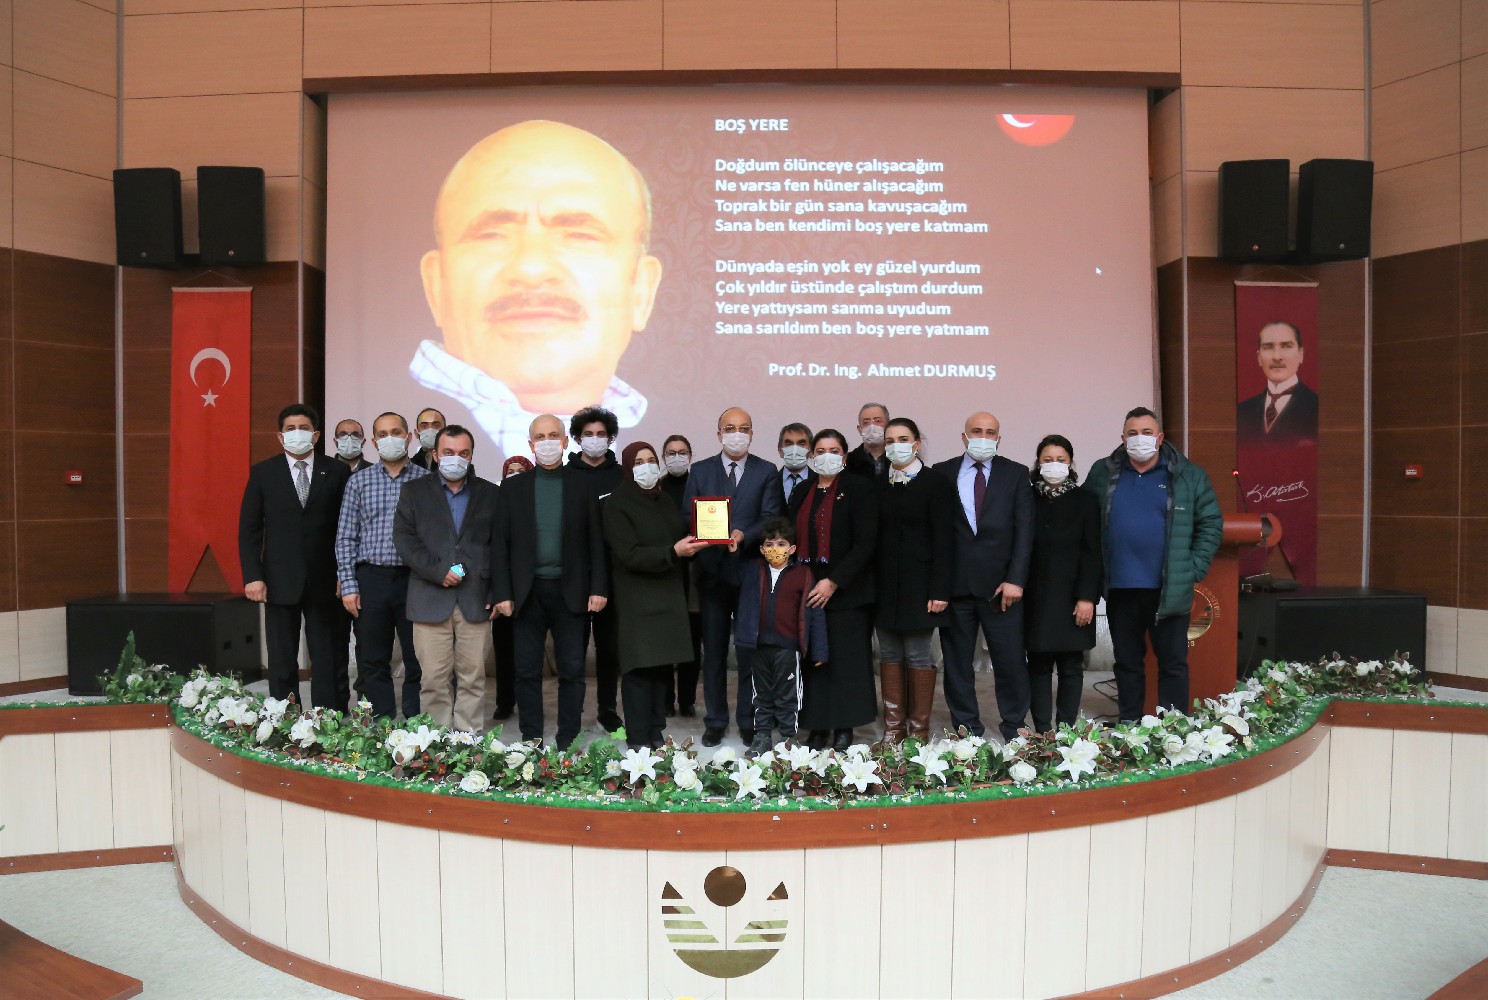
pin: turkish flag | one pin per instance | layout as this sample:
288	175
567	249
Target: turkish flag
210	335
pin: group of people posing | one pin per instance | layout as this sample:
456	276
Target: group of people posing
837	544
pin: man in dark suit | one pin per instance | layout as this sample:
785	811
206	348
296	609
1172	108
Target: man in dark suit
287	544
994	542
442	531
752	485
867	459
551	573
1286	411
427	426
794	446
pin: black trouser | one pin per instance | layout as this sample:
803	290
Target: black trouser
544	612
682	689
1041	667
644	692
503	643
1132	617
1004	633
776	675
384	592
716	606
604	627
328	687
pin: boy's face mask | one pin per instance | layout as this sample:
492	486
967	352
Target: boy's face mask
777	553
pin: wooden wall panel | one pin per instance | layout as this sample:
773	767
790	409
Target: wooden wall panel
1420	793
1467	825
61	561
28	794
7	207
43	492
247	130
63	213
985	965
1475	103
1475	195
66	40
135	7
313	139
1418	554
1165	137
1473	594
62	301
557	35
1407	37
89	406
1201	220
312	221
1139	36
750	34
1113	953
957	34
1474	27
60	125
6	111
85	800
1248	123
1416	119
230	52
139	766
1287	45
42	639
1167	220
394	41
1417	207
1417	296
6	13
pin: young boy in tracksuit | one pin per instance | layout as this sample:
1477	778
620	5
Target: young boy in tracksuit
775	628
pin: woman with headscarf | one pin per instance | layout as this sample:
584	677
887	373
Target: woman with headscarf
1064	582
836	533
502	638
649	545
676	460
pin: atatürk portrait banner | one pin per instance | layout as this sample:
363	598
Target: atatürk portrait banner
1276	416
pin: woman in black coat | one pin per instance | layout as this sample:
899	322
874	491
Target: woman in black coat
836	533
1064	582
676	460
649	547
916	524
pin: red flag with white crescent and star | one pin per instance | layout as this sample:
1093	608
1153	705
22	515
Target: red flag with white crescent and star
210	336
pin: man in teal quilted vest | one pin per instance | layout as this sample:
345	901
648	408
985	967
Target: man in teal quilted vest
1162	526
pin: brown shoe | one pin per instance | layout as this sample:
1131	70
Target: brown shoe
891	677
921	701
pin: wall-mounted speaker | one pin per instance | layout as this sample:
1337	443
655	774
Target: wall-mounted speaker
1333	209
230	215
147	217
1253	209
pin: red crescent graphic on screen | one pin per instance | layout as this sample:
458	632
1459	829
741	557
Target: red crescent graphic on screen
1036	130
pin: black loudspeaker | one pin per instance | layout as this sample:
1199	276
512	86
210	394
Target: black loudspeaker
1253	209
1313	622
1333	204
147	217
230	215
216	631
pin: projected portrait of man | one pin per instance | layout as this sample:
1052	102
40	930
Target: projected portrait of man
539	277
1287	410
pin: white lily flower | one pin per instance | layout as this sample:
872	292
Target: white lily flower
860	773
424	736
515	758
1217	742
1136	738
265	730
1022	772
935	767
723	757
1280	676
1078	759
475	781
274	708
796	756
860	750
750	780
640	764
1239	725
765	759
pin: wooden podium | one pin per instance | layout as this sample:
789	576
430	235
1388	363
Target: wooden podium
1213	628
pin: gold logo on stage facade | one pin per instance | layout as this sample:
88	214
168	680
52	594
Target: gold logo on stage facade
1205	611
695	942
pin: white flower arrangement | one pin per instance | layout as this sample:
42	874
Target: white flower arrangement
1264	709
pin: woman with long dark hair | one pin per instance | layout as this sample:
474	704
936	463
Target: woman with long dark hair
1064	582
836	534
916	524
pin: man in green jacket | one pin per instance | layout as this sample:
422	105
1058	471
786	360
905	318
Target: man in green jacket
1162	527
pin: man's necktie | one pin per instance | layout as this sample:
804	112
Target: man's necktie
302	482
979	489
1271	398
734	474
795	480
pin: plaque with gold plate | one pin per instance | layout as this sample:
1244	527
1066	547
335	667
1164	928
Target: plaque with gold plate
710	520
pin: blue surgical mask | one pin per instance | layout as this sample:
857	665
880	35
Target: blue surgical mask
453	467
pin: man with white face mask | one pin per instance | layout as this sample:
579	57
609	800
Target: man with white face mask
595	469
795	448
349	441
868	459
753	490
426	427
287	540
442	530
550	572
372	576
1161	525
993	544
